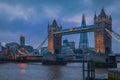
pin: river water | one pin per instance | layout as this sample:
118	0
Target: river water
37	71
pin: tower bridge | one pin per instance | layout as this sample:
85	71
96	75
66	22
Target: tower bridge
103	42
102	29
75	30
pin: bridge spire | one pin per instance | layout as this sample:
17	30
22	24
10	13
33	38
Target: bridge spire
102	41
54	40
102	13
95	16
110	18
54	24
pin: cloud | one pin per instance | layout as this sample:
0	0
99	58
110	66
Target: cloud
13	11
51	11
8	36
31	17
88	2
28	13
77	18
18	12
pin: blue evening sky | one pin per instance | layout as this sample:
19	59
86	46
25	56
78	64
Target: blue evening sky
31	18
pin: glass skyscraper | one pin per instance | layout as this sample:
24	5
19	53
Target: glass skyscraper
83	43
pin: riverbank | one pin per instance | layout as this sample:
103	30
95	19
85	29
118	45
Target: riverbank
114	74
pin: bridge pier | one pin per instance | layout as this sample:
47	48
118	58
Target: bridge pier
103	42
90	70
54	40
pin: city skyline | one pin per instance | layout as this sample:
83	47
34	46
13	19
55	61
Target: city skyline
32	18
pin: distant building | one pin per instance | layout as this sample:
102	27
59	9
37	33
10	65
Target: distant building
22	40
83	44
78	51
35	51
27	48
68	47
69	44
44	50
67	50
13	47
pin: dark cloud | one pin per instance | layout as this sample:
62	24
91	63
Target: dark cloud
31	17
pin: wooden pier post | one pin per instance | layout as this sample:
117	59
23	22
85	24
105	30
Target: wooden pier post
90	70
83	67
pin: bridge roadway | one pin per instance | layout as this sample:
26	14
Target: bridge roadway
38	58
68	57
75	30
101	60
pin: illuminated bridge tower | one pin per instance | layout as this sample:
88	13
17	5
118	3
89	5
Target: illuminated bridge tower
83	44
103	42
54	40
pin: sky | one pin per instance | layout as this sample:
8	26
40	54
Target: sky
31	18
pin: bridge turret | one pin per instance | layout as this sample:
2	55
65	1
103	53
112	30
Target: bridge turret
102	13
103	43
54	24
95	16
102	17
110	18
54	40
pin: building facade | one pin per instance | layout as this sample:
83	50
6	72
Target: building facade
103	42
70	44
54	40
13	47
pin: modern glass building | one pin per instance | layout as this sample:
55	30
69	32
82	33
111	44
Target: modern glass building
83	43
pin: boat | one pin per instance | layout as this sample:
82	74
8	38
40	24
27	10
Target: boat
52	59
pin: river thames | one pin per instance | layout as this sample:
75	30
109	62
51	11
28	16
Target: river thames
37	71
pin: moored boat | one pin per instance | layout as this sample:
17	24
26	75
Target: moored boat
51	59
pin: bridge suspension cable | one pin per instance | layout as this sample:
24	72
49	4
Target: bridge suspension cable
113	34
38	48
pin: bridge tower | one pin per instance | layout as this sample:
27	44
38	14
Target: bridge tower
54	40
103	42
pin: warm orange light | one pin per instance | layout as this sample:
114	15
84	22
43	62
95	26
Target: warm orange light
22	71
71	29
28	57
22	65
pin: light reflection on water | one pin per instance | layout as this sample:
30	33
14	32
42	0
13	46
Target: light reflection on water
22	66
36	71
